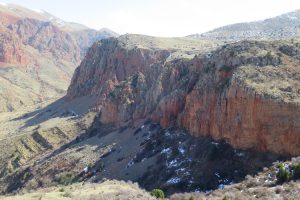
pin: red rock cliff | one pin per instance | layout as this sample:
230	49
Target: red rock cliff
245	93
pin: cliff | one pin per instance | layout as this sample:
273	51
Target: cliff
246	93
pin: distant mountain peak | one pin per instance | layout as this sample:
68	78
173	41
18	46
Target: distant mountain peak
285	26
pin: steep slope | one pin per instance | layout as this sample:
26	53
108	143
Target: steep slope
38	54
246	93
265	185
285	26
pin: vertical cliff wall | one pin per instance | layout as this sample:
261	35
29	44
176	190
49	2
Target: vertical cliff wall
245	93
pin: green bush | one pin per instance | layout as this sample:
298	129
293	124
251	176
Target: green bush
159	194
226	198
269	55
192	198
283	174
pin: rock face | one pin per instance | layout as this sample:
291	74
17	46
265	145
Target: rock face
45	37
11	48
245	93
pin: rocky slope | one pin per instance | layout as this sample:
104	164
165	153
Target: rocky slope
246	93
286	26
38	54
265	185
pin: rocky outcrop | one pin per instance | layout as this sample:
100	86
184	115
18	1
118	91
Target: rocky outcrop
215	95
45	37
11	49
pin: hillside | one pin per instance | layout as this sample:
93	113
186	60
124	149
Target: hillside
109	190
38	54
205	117
263	185
286	26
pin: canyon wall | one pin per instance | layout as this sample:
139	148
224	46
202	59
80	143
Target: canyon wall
245	93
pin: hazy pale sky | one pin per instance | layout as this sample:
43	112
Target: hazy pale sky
160	17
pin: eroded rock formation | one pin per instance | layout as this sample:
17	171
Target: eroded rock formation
245	93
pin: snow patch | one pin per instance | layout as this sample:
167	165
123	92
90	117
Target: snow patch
131	162
167	134
239	154
172	163
181	150
60	22
166	151
38	10
215	143
174	180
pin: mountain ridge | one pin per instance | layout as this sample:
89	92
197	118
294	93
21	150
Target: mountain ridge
285	26
41	49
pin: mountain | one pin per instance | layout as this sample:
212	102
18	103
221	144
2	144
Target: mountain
178	114
285	26
38	54
245	93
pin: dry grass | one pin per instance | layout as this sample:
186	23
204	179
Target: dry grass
108	190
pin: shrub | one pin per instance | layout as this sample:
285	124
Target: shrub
296	171
226	198
192	198
269	55
61	190
159	194
283	174
65	178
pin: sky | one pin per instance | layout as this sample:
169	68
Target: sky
168	18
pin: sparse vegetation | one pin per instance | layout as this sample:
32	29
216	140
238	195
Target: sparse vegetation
192	198
283	174
269	55
158	193
65	178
